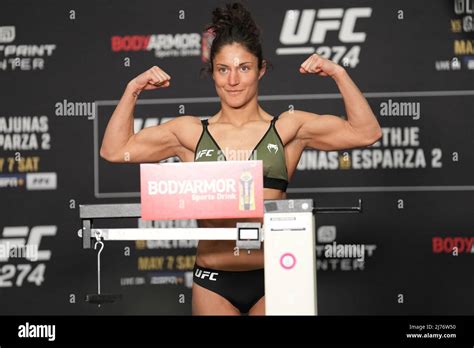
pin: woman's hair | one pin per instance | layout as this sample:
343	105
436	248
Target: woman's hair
233	23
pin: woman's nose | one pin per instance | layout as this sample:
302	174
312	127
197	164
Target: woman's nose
233	77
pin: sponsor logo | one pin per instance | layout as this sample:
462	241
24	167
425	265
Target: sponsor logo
199	273
23	242
272	148
128	281
453	245
205	153
172	187
7	34
12	180
169	278
314	25
41	181
163	45
17	237
162	280
34	181
23	57
310	27
326	234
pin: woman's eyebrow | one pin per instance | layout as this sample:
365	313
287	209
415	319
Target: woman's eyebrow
228	66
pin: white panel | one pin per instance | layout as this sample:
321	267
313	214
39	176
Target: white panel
290	264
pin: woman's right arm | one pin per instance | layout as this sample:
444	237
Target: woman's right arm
151	144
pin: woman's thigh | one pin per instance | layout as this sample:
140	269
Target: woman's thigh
258	308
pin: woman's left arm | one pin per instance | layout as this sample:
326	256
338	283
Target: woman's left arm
329	132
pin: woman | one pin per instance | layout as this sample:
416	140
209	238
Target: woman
240	126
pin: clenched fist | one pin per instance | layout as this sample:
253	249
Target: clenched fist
153	78
319	65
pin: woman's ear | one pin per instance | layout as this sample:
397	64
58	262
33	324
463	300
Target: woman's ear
263	69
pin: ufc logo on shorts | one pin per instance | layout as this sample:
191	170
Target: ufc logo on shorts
205	152
206	274
314	31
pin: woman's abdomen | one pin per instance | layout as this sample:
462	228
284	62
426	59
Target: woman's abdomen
223	254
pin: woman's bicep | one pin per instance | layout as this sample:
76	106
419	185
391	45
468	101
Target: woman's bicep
328	132
151	144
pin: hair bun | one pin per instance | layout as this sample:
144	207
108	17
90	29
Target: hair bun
234	17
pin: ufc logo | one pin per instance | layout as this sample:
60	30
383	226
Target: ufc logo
16	236
314	31
205	274
205	152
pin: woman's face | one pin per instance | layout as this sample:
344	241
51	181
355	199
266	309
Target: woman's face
236	74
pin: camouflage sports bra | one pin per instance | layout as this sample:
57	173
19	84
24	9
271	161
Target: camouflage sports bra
269	149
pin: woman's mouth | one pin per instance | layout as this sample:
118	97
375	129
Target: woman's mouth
234	92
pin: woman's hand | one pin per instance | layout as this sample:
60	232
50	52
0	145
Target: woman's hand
319	65
153	78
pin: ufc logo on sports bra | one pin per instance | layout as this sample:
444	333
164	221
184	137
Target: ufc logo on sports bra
205	152
206	274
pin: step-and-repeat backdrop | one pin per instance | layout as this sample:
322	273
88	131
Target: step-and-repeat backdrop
64	66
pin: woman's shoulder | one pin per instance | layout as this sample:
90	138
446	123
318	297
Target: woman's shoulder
184	124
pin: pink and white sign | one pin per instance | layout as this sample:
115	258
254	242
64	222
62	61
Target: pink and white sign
201	190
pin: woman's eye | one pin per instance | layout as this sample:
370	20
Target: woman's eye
224	70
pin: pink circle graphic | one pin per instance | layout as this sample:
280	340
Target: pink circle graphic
288	261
